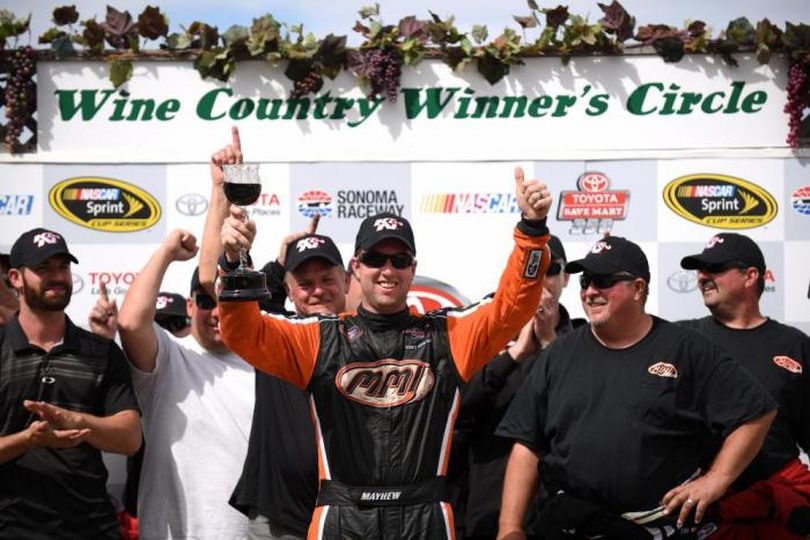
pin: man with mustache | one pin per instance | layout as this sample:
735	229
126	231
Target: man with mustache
620	415
65	395
763	502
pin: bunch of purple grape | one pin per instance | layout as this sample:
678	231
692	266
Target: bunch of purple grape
796	101
383	68
19	95
309	84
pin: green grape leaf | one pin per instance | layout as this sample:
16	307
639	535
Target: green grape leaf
65	15
120	72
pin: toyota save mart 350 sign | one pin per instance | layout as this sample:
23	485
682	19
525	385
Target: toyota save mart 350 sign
167	113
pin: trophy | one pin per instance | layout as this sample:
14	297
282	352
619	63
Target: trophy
243	187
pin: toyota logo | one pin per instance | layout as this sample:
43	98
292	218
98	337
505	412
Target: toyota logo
78	283
683	281
191	204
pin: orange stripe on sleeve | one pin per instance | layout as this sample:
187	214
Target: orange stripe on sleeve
478	334
286	348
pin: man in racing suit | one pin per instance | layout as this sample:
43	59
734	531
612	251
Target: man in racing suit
384	382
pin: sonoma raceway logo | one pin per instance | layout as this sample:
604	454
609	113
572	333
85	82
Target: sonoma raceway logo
314	202
800	199
593	207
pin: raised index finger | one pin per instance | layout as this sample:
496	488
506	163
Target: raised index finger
236	141
313	224
102	290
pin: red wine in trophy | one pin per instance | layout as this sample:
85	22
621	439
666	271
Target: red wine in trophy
242	194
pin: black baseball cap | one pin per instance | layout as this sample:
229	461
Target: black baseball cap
36	246
170	304
610	255
724	248
310	246
375	229
557	249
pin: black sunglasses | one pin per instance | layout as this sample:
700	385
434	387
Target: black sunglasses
719	268
554	269
603	281
375	259
204	301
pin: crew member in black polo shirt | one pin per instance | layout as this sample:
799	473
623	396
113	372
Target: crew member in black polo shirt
624	412
65	395
731	278
478	456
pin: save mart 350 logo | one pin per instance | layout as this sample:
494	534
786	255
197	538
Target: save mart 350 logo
720	201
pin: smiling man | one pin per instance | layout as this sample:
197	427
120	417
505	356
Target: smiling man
620	416
65	395
385	382
731	277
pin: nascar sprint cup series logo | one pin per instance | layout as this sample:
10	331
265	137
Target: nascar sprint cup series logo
104	204
720	201
594	207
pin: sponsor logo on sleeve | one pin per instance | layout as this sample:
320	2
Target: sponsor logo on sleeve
16	205
385	383
104	204
663	369
532	267
720	201
593	207
788	363
800	200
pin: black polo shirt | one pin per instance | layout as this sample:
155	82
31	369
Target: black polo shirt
777	356
621	427
50	493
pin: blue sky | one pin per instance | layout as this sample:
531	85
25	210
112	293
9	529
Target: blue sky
337	16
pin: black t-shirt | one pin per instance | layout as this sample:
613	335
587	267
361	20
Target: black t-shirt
476	450
49	493
777	356
622	427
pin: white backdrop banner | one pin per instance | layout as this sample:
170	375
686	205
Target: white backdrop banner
542	110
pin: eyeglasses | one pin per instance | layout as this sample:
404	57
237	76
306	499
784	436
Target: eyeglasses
204	301
719	268
603	281
554	269
375	259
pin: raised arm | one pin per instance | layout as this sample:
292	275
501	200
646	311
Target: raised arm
477	334
135	319
211	248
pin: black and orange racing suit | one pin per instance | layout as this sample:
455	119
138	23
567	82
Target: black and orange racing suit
384	394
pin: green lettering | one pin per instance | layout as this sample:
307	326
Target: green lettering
563	102
302	104
87	103
518	102
734	99
148	106
707	105
205	107
166	110
688	101
538	106
486	106
263	114
433	103
241	109
635	103
752	100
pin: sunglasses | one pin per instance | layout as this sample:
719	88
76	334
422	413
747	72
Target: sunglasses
204	301
719	268
375	259
603	281
554	269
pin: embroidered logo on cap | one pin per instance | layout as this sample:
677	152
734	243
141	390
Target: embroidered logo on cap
309	243
788	363
713	241
163	301
46	238
601	246
663	369
391	224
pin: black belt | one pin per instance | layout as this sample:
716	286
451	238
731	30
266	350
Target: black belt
337	493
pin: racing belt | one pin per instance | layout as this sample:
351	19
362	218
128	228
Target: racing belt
336	493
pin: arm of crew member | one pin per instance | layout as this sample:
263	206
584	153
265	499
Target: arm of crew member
738	450
39	434
119	433
520	485
218	205
137	313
